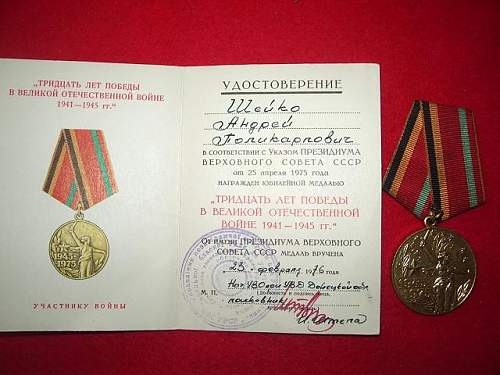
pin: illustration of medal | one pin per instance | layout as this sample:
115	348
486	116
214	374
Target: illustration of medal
80	175
436	174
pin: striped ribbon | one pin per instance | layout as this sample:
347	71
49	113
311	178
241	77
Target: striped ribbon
436	163
80	171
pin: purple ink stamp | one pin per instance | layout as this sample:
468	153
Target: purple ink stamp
224	281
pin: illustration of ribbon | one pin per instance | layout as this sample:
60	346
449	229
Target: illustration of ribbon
436	163
80	170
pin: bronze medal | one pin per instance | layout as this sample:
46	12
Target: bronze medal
434	270
436	174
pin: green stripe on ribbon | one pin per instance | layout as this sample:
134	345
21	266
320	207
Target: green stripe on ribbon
469	169
422	198
102	164
72	193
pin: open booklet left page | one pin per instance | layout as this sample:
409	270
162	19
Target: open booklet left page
89	195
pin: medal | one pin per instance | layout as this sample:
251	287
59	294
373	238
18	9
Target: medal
80	175
433	270
436	174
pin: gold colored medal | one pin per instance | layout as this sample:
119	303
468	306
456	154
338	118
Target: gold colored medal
434	270
80	176
79	249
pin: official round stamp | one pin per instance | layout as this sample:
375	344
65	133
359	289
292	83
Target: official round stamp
227	277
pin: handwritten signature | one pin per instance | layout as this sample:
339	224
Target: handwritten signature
306	313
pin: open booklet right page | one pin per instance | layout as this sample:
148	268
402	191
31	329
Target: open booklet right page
280	199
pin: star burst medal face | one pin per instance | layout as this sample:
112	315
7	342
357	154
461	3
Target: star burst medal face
79	249
434	271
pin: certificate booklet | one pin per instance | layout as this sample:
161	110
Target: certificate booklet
243	198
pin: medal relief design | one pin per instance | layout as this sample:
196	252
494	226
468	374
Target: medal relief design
78	249
434	271
435	173
80	176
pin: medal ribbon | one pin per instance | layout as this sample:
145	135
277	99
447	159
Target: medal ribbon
436	163
80	171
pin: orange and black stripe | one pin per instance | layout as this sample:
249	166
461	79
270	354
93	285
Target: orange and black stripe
443	171
80	170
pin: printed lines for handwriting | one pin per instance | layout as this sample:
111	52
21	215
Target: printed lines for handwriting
286	113
283	144
291	128
297	290
315	305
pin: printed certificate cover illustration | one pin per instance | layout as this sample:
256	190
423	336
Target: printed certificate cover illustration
140	197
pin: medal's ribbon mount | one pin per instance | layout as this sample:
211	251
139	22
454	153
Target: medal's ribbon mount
436	174
436	163
80	175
